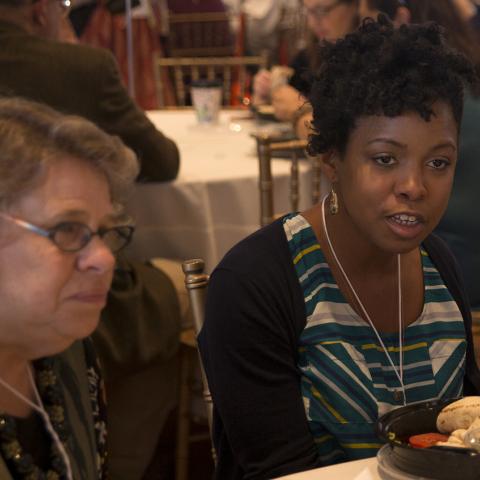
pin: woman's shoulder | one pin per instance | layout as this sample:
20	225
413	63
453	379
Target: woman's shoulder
266	246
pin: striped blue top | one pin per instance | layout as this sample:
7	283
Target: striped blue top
347	381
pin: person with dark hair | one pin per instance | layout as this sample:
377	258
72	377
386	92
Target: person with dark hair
326	20
396	10
76	79
327	319
456	226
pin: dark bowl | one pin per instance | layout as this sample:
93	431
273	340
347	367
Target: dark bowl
442	463
264	113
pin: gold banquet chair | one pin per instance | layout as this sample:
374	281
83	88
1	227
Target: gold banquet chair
267	146
200	34
476	333
184	70
196	282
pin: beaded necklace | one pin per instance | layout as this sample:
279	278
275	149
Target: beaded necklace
50	397
49	404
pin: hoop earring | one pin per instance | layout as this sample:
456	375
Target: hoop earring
333	202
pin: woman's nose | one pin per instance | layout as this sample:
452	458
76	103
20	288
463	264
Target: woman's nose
96	255
410	184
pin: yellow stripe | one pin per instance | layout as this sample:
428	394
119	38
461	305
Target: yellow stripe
323	439
423	252
305	252
330	342
361	445
317	394
415	346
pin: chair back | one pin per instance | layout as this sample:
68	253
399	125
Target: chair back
196	282
232	71
199	34
476	333
267	145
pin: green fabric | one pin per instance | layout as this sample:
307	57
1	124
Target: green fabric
70	368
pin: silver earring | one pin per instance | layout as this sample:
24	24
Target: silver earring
333	202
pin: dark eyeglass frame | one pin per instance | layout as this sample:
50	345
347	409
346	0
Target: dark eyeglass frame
321	12
123	231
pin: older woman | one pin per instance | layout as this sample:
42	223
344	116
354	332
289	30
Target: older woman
62	181
322	321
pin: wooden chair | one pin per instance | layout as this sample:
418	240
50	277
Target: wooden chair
200	34
476	333
232	71
266	148
196	282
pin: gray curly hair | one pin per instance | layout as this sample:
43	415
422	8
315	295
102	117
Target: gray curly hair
33	136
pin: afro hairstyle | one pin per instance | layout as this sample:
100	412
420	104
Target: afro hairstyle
381	70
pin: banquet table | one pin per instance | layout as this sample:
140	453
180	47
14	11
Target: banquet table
214	202
365	469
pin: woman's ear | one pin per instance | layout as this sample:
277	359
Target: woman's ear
39	13
328	164
402	16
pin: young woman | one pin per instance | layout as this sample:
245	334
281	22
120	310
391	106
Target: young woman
321	322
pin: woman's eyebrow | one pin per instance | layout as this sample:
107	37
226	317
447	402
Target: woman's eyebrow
72	214
447	144
387	140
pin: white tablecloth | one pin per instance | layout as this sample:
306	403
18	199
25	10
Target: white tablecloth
358	470
214	202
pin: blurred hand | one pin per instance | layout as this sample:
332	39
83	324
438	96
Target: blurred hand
303	127
286	100
262	82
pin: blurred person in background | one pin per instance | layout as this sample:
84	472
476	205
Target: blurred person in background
458	228
63	182
326	20
76	79
470	12
105	27
264	23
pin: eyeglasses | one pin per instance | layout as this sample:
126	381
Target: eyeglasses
73	236
322	11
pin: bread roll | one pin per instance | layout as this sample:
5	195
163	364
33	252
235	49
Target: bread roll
459	414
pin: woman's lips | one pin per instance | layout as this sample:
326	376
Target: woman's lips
406	225
91	297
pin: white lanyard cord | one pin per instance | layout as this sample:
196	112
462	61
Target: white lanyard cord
400	329
39	408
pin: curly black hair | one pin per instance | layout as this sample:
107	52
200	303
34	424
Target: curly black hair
380	70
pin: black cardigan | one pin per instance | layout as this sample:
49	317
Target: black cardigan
255	314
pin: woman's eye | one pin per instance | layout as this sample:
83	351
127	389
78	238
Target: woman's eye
384	160
438	163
